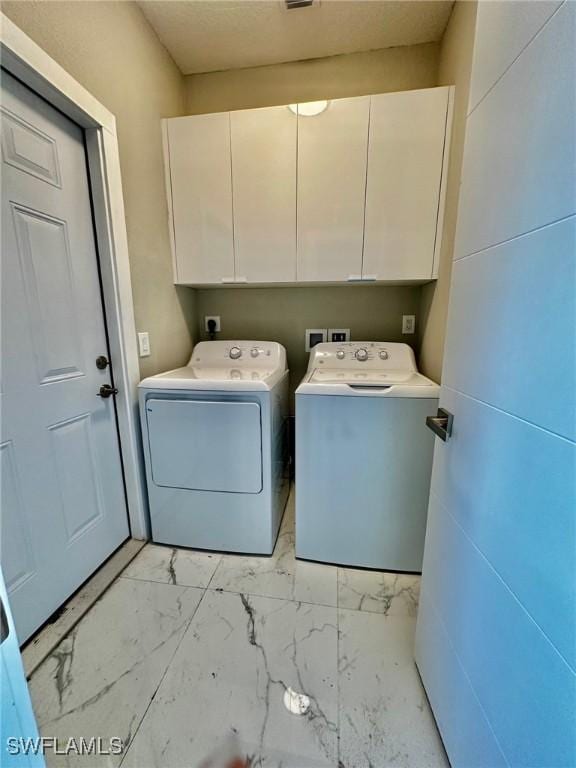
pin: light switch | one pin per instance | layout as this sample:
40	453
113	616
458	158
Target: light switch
408	323
144	344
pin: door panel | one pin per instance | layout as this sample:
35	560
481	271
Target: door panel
499	575
517	674
17	559
405	151
503	346
502	34
264	187
27	148
17	721
332	148
201	178
503	460
44	252
205	445
61	468
520	176
472	742
81	490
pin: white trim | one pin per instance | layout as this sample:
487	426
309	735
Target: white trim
443	182
34	67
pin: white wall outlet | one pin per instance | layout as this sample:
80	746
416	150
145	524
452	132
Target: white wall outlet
144	344
216	319
338	334
314	336
408	323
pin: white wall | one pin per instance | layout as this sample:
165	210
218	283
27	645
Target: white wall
496	639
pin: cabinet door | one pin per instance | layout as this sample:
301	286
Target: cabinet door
201	191
264	192
405	152
332	150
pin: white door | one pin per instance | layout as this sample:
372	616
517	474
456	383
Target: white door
405	152
264	193
496	637
201	194
17	722
332	150
63	505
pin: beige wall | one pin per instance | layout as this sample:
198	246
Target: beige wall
283	314
354	74
110	48
454	69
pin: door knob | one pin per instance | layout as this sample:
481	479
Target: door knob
441	424
106	391
102	362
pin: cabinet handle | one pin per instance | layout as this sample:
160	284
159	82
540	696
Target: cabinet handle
369	278
354	278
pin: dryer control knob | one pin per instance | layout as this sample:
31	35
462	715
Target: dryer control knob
340	354
254	351
235	353
383	354
361	354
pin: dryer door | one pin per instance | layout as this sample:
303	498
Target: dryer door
205	445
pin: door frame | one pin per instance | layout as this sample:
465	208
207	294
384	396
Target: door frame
30	64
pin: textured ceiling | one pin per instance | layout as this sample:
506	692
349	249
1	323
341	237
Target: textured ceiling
209	35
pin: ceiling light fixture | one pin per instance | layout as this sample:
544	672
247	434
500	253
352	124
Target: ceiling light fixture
309	108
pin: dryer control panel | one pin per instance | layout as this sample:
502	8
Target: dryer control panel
373	355
243	354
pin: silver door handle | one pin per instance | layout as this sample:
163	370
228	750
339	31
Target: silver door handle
441	424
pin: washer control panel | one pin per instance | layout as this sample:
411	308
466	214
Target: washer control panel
363	354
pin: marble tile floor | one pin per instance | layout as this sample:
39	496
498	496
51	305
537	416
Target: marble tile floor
189	655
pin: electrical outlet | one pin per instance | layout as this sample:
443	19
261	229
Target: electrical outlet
144	344
216	319
408	323
339	334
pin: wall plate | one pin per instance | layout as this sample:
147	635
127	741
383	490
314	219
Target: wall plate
339	334
216	319
408	323
314	336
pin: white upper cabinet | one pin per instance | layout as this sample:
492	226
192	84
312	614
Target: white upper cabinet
200	177
354	192
264	193
332	148
405	158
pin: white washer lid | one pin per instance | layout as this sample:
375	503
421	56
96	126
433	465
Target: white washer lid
367	383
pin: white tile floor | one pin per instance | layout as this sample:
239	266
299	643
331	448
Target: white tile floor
189	654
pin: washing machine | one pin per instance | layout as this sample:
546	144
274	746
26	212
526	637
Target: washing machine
363	456
216	447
